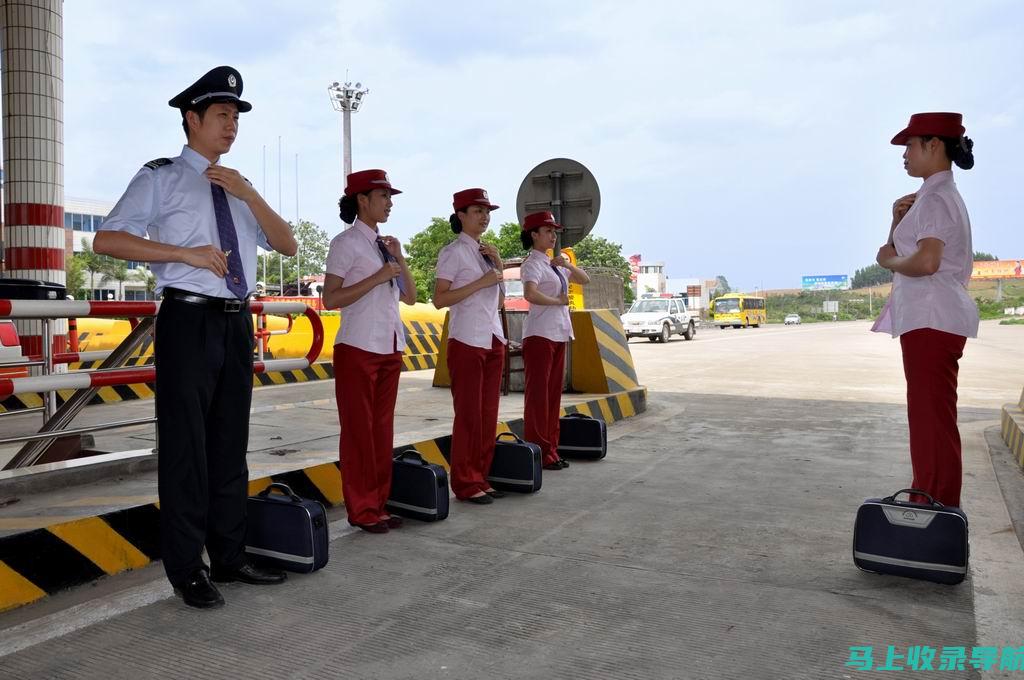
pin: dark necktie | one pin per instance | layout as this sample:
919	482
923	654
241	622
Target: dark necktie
229	243
488	266
561	279
387	257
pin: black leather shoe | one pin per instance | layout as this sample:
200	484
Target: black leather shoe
482	499
393	522
563	462
494	493
557	465
247	573
197	591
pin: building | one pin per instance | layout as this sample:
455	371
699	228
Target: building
650	278
82	219
695	291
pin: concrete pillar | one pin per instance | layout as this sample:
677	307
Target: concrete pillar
32	59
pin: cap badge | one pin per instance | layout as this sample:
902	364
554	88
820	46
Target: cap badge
231	80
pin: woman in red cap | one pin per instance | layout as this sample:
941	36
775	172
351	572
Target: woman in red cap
546	330
366	277
930	253
469	282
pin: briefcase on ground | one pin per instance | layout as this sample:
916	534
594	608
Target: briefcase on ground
286	531
418	489
919	540
580	436
517	465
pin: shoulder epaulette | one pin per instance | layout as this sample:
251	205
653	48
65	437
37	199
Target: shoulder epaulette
154	164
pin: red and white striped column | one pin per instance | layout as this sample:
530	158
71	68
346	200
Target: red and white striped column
33	130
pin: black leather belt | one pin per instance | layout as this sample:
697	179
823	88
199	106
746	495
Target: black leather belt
229	305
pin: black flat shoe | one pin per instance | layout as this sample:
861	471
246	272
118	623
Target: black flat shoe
198	592
247	573
482	499
494	493
563	462
393	522
375	528
553	466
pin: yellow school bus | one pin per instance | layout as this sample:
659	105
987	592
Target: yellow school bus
738	310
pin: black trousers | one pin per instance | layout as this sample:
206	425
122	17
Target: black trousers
203	394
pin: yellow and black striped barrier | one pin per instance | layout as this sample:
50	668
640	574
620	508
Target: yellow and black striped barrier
601	360
41	561
1012	427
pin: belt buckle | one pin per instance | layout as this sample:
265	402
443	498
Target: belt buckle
233	305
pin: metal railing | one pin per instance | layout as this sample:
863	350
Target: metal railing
110	373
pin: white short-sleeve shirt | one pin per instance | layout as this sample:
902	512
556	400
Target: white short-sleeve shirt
547	321
170	201
940	300
474	320
372	322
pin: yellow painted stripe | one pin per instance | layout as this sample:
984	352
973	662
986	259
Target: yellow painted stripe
321	371
276	378
502	427
608	343
612	372
300	376
585	409
31	399
16	590
108	395
625	405
606	411
257	485
144	391
105	547
431	453
327	479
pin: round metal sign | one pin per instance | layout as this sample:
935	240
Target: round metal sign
567	189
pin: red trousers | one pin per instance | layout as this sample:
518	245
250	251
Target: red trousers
366	388
930	365
544	361
476	382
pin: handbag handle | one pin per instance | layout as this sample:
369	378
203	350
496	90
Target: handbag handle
514	436
411	454
919	492
283	488
579	415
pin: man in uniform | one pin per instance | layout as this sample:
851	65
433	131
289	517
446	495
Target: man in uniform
203	222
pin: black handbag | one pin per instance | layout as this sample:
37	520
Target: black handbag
918	540
517	465
418	489
286	531
580	436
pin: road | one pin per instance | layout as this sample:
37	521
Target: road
713	542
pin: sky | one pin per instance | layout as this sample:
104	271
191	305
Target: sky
743	139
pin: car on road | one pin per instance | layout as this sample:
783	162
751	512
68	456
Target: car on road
658	318
791	319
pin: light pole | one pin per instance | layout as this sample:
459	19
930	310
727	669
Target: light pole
347	98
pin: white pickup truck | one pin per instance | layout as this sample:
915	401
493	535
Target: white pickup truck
658	318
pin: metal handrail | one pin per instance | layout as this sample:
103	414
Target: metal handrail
86	383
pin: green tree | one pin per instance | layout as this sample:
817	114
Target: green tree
311	258
148	279
980	256
75	270
597	251
872	275
117	270
91	262
421	254
506	240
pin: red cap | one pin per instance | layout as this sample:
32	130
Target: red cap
540	219
467	197
931	125
368	180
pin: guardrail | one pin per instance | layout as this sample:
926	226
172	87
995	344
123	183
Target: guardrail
87	382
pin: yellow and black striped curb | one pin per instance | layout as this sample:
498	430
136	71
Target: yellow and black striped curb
40	562
1012	427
